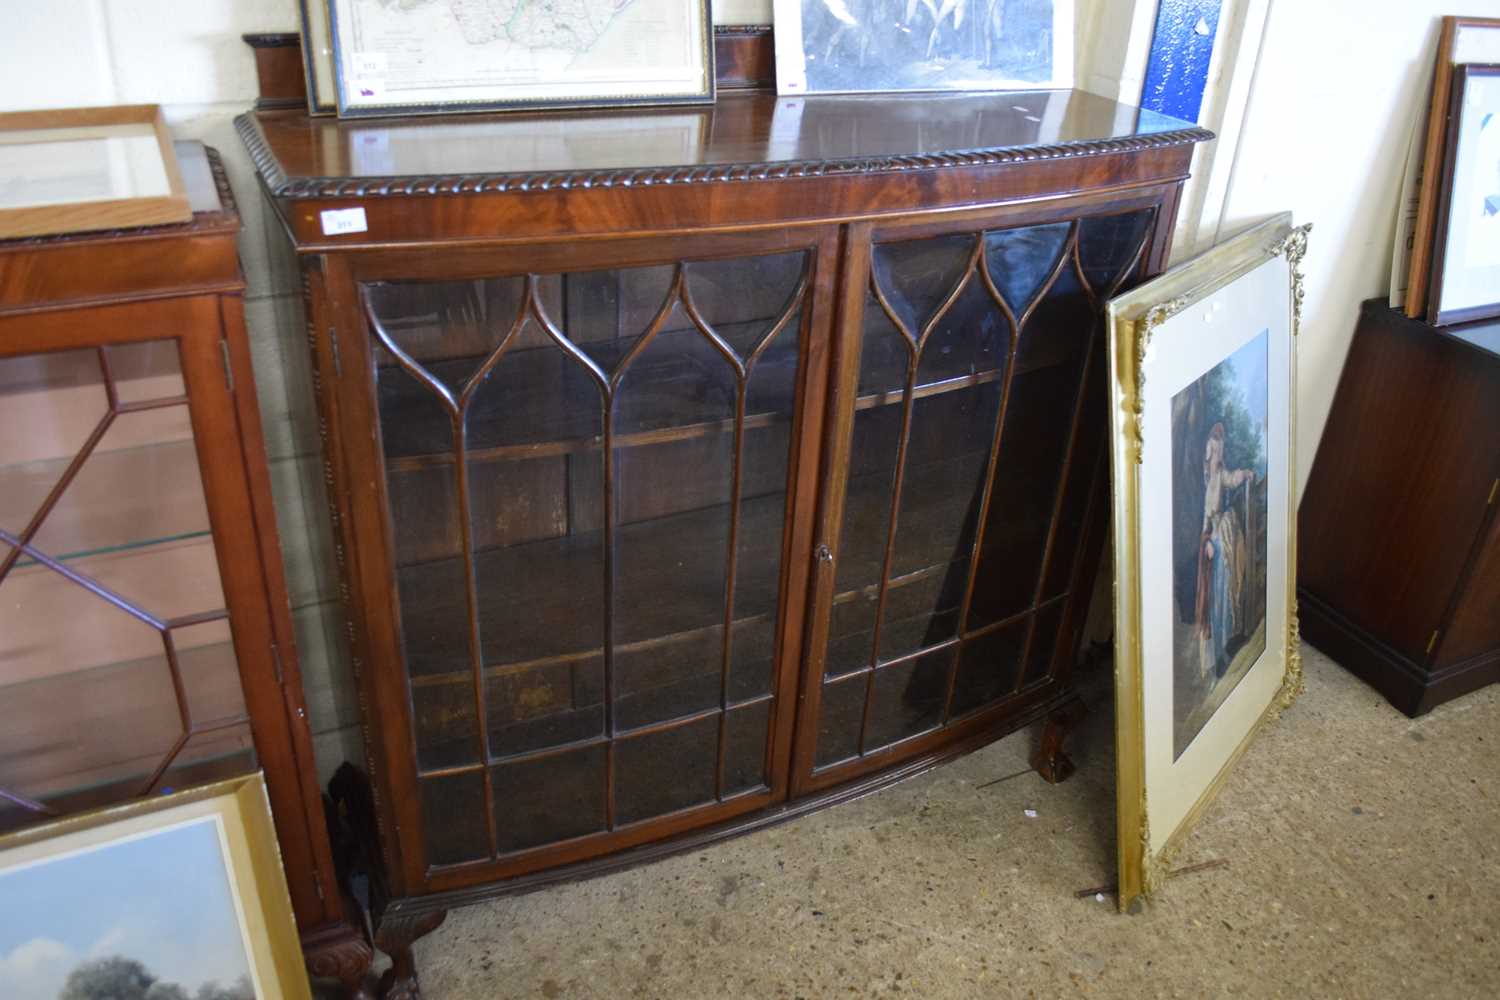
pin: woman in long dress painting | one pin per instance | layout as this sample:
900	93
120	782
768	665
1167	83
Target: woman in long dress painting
1221	560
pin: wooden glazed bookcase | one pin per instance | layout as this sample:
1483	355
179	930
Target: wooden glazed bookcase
696	468
145	635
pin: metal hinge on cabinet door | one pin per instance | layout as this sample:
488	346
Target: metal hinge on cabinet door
228	367
1494	492
1433	641
276	662
333	348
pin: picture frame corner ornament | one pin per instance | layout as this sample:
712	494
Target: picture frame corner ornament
1293	246
1145	328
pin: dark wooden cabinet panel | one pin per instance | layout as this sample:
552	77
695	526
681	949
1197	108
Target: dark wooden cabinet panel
1398	561
693	480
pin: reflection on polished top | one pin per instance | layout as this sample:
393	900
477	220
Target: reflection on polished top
742	136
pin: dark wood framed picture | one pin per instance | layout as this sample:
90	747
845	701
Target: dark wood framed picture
1465	281
1463	40
317	57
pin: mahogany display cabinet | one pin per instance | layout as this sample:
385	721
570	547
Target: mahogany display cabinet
693	468
145	635
1399	565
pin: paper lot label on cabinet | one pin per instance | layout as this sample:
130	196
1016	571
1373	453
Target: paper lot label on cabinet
339	221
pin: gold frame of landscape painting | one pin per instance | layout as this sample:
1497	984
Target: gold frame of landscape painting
183	892
1203	376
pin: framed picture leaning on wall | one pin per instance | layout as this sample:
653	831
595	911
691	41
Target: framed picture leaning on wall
1203	388
493	55
176	896
1461	40
864	46
1465	283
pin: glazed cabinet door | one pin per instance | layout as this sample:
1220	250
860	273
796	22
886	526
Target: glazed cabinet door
124	624
968	477
582	468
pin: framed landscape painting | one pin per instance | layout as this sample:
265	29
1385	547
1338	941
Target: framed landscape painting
180	897
1203	389
865	46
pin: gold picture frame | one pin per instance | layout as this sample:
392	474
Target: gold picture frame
1205	530
186	889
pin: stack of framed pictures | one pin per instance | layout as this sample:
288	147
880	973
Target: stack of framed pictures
1454	270
367	58
1203	371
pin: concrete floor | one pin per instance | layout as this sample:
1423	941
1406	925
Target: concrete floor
1363	854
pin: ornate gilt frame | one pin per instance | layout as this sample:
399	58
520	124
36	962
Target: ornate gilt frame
1133	320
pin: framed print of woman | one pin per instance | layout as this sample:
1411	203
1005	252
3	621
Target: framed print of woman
1221	561
1219	499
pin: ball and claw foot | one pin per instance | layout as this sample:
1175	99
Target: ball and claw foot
1050	760
341	953
395	937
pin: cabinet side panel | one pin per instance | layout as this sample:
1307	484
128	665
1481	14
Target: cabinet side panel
1474	629
1397	494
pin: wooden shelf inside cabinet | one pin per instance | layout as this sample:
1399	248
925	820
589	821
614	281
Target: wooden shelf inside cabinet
884	556
145	634
421	437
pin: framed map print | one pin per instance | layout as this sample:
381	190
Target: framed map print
399	57
1203	388
863	46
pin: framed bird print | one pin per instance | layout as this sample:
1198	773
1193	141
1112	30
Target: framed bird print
1203	388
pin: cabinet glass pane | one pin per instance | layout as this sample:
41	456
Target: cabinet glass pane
117	670
971	465
586	474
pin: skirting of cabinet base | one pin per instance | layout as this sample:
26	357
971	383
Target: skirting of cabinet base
1057	706
1407	685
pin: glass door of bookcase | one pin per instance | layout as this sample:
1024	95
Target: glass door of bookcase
586	475
976	443
118	677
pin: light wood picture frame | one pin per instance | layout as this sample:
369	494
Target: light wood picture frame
69	170
1462	40
1464	284
1202	364
183	890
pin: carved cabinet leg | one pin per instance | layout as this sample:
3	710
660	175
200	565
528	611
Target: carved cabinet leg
1050	761
341	953
395	936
